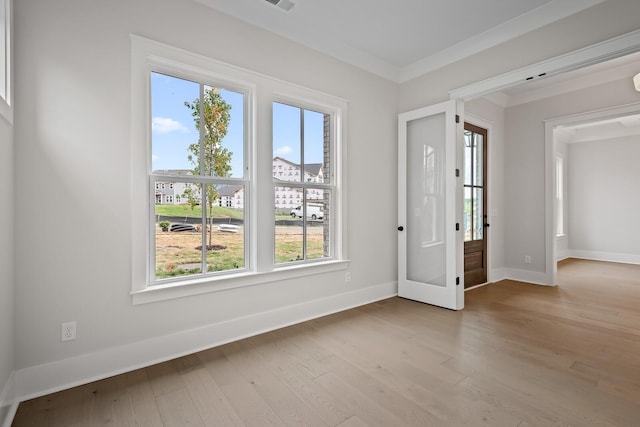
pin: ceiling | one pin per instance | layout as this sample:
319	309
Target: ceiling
400	39
616	127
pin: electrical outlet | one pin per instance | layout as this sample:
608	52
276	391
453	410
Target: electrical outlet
68	331
347	276
527	259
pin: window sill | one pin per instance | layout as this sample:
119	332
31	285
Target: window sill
201	286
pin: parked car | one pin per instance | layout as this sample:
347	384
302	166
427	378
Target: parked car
182	227
314	211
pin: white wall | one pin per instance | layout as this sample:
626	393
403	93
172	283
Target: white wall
6	267
72	180
603	203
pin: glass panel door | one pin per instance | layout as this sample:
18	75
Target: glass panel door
427	192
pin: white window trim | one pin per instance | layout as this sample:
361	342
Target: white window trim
147	55
6	109
560	201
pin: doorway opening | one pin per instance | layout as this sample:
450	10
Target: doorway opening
594	144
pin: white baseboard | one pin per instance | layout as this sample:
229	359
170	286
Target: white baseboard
8	402
497	274
605	256
535	277
48	378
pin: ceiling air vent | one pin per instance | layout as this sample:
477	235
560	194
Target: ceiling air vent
282	4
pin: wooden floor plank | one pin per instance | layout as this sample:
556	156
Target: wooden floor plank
177	409
239	389
357	402
518	355
291	409
210	402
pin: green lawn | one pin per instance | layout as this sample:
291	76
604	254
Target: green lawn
196	212
185	211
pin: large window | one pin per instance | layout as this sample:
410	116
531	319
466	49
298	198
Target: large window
302	147
215	151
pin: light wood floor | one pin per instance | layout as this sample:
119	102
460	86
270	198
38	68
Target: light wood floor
518	355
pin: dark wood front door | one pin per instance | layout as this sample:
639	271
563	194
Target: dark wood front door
475	203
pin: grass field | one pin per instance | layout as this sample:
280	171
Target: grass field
186	211
176	253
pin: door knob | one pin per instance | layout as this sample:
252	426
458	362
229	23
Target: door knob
487	225
400	228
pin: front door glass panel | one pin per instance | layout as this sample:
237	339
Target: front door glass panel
473	221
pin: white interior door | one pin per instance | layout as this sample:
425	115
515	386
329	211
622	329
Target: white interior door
429	206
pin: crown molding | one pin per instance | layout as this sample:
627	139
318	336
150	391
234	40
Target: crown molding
597	53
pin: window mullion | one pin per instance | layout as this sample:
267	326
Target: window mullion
203	184
304	189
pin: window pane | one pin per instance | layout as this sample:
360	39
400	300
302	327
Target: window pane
172	125
223	137
303	232
478	159
468	158
179	228
468	214
286	142
316	146
289	238
318	236
478	209
175	111
177	231
224	232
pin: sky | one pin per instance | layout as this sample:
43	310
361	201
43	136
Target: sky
173	128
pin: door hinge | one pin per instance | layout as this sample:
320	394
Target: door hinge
457	226
457	173
457	118
458	281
